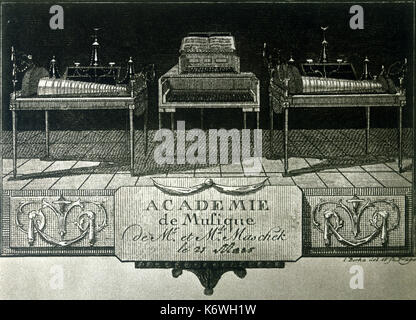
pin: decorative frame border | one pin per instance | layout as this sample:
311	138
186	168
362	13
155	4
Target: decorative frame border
369	251
7	251
210	272
409	249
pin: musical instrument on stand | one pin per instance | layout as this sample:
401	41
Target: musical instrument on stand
208	76
330	85
92	87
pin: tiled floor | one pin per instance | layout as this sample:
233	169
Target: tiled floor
76	168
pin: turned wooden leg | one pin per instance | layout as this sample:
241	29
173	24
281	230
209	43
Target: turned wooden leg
47	132
14	125
172	121
271	114
202	118
244	120
131	140
145	130
258	119
400	160
286	140
160	120
367	130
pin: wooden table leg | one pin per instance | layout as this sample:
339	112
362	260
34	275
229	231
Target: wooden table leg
160	120
285	141
202	118
131	141
145	129
258	119
172	121
367	130
14	124
244	120
271	114
47	132
400	160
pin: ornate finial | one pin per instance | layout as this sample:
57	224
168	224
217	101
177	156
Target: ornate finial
402	75
53	70
13	55
95	45
14	70
130	68
366	75
324	54
383	70
266	53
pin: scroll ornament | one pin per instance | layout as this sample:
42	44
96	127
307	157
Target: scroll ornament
207	184
328	216
87	222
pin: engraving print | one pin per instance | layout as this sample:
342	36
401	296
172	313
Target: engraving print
178	150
